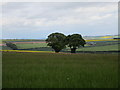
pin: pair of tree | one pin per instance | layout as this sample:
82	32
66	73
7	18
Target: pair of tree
58	41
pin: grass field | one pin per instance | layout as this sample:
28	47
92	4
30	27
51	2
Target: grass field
50	70
101	43
31	45
0	70
100	48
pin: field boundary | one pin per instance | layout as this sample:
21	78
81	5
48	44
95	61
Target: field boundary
27	51
78	52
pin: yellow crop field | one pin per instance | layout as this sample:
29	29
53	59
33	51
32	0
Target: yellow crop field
103	40
107	37
25	51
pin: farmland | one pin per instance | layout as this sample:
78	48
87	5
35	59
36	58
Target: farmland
50	70
98	45
35	65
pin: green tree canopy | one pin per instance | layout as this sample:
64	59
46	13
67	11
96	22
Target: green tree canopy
56	41
74	41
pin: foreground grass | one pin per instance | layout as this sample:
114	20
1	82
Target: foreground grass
49	70
0	77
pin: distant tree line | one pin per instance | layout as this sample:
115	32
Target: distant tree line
11	45
59	41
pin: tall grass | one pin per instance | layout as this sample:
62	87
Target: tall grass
50	70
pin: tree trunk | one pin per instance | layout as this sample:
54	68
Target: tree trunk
57	51
73	50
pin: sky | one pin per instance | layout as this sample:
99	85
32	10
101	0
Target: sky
36	20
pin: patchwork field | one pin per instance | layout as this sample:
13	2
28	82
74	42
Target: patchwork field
93	45
50	70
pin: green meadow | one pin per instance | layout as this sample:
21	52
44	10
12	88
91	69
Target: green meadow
100	48
51	70
31	45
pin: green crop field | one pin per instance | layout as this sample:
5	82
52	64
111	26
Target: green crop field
108	45
100	48
55	70
31	45
5	48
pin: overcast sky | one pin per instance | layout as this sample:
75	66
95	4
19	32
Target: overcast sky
36	20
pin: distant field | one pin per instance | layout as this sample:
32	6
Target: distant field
50	70
5	48
31	45
85	37
100	37
100	43
100	48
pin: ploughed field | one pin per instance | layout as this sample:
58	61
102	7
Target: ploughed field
59	70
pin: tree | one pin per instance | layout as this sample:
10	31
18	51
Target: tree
74	41
56	41
11	45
